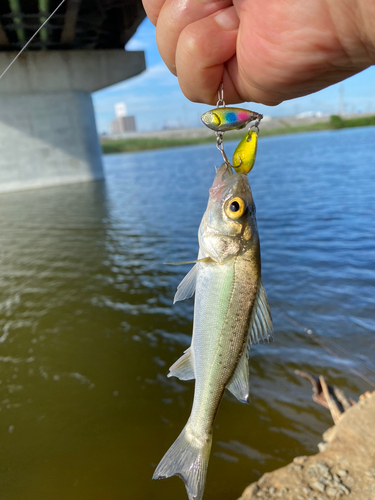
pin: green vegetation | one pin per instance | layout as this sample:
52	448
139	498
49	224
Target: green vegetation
364	121
142	144
297	129
137	144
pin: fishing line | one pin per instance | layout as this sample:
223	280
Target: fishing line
328	345
27	43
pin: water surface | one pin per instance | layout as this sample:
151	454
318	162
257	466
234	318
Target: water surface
88	331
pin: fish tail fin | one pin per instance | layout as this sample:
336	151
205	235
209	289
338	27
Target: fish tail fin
187	458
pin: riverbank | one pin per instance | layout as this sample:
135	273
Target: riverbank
186	137
343	469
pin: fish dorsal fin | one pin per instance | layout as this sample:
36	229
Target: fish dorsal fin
239	384
183	368
260	328
186	288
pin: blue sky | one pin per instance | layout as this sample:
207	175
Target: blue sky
155	98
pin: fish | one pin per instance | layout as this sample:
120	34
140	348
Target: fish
231	313
245	153
226	118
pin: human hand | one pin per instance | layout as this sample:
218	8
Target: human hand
264	51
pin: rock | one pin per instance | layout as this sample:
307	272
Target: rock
318	486
342	470
332	492
318	468
342	473
250	491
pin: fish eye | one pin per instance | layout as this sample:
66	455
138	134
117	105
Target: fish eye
211	118
235	208
215	119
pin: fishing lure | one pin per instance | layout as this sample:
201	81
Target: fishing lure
222	119
245	153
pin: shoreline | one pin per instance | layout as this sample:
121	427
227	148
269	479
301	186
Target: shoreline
343	469
133	142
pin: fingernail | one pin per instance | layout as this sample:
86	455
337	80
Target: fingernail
228	19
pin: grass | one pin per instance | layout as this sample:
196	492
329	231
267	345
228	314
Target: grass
129	144
363	121
137	144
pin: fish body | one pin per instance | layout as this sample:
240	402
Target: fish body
226	118
245	153
231	313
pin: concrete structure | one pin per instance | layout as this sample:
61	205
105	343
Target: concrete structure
47	126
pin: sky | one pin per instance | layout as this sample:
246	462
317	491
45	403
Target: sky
155	99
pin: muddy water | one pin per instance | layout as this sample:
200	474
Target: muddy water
88	331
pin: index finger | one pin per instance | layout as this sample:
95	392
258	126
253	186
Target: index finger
175	16
153	8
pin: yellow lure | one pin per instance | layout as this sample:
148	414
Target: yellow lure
245	153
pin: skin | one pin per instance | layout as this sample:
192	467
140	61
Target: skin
264	51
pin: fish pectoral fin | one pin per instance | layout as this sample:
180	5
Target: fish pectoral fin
260	328
186	288
205	260
239	384
183	368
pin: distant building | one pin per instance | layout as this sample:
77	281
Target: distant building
120	109
122	123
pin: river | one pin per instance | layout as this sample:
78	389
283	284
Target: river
88	330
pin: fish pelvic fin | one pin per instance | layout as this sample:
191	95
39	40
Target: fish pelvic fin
187	458
183	368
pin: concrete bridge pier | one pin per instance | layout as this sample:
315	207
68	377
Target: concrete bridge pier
48	134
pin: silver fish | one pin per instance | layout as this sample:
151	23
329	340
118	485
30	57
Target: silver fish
231	313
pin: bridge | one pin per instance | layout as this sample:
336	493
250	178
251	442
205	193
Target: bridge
47	125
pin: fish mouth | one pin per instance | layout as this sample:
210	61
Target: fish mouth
225	178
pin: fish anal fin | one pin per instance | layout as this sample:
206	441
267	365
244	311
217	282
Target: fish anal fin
239	384
186	288
183	368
